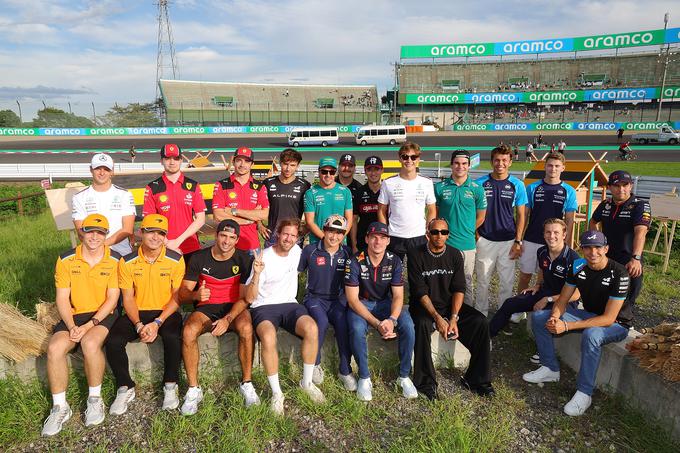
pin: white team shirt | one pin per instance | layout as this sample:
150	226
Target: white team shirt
114	204
407	199
279	280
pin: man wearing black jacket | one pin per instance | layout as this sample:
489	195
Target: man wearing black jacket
437	286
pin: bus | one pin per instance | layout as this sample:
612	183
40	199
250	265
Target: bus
367	135
323	136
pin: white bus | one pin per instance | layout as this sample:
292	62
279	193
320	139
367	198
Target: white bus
323	136
367	135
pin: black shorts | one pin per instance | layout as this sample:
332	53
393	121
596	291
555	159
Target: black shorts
281	315
83	318
400	246
214	311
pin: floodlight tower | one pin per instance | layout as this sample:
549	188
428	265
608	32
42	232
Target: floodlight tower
165	58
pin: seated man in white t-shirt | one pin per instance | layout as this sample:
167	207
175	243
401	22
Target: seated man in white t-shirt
113	202
271	293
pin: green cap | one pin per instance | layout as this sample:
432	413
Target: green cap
328	162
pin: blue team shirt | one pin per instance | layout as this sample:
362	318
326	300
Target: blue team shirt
555	271
501	198
547	201
375	283
325	272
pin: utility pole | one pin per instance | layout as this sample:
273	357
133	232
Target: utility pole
665	67
395	90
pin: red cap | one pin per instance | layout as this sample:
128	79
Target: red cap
170	150
244	152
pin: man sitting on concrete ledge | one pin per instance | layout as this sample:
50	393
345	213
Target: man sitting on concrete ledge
603	284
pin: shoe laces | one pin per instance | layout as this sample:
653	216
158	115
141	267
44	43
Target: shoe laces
57	414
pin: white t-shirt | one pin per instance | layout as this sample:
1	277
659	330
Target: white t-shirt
407	199
114	204
279	279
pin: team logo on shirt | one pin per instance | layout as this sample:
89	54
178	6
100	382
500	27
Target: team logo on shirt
189	185
234	269
163	198
295	189
320	260
232	195
272	188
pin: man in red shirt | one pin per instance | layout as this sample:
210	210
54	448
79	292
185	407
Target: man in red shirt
241	198
179	199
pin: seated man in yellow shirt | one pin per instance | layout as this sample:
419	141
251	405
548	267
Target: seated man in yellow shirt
149	280
86	279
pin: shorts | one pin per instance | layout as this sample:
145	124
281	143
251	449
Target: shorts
528	262
214	311
83	318
400	246
281	315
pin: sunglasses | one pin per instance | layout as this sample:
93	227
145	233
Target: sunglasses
413	157
434	232
327	172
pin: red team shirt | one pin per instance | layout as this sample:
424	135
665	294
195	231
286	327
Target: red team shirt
177	202
229	193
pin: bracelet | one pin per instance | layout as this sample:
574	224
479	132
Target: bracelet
158	321
139	326
566	328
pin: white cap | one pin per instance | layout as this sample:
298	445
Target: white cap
101	160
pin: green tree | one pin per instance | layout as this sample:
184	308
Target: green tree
9	119
132	115
53	117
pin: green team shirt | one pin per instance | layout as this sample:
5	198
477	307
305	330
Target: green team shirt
326	202
459	205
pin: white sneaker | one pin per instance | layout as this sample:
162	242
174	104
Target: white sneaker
313	392
535	359
277	403
249	394
124	396
55	421
578	404
365	389
191	400
407	388
317	376
518	317
95	412
348	381
542	374
170	397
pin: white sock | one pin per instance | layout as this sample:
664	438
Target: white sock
96	391
307	372
59	399
274	383
170	385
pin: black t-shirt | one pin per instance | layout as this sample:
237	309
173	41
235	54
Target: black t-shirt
555	271
437	276
366	207
597	287
618	224
285	200
222	278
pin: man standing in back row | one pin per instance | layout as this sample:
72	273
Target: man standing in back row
366	202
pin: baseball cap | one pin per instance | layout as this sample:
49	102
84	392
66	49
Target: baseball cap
101	160
170	150
229	225
348	159
373	161
593	238
377	228
328	162
95	222
336	222
155	222
620	176
460	153
244	152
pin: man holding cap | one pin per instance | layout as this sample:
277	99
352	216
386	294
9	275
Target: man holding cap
109	200
180	200
86	279
149	280
374	288
366	202
215	284
605	318
325	294
243	199
325	199
625	221
462	202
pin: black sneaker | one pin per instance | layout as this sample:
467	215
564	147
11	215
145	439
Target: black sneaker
485	389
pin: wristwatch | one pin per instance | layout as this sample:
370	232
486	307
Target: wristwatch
233	212
394	320
637	257
518	242
550	299
95	321
158	321
455	316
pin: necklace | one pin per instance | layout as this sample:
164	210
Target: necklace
435	255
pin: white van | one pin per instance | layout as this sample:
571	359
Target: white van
367	135
323	136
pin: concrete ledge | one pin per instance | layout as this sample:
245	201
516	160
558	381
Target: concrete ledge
620	373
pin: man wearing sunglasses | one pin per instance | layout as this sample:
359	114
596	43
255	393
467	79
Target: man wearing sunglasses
326	198
403	200
437	287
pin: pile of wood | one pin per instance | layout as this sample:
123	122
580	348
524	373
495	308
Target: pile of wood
658	350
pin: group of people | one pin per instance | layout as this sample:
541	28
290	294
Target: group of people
362	241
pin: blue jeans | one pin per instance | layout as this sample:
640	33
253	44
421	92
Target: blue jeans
592	340
327	312
358	327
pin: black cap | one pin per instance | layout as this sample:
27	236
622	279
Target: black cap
373	161
377	228
460	153
347	159
229	225
593	238
620	176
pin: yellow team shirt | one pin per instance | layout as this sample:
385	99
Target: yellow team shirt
88	285
153	282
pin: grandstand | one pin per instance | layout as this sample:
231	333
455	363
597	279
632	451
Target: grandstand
233	103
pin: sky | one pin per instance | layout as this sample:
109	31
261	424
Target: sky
103	52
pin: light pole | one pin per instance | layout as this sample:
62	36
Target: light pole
665	67
21	119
